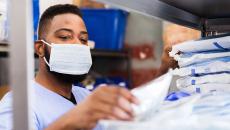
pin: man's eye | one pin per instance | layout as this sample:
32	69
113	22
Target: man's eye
65	37
84	41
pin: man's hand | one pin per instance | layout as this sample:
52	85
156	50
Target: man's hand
106	102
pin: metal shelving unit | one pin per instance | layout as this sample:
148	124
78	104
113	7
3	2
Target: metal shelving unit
4	49
209	16
109	53
21	66
114	59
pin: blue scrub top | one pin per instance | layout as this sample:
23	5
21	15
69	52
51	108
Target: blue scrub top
47	106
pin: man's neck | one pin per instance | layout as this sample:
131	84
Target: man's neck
54	84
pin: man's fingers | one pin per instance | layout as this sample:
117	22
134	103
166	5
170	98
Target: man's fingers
111	117
108	97
115	102
120	97
120	92
125	105
128	95
121	114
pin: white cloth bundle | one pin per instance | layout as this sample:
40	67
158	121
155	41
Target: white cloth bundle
221	43
199	57
205	88
214	78
214	67
151	96
198	112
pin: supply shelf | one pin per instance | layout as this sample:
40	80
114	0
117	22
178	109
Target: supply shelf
210	16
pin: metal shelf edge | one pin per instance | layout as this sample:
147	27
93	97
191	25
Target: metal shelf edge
158	9
4	49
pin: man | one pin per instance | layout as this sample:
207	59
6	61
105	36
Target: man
64	58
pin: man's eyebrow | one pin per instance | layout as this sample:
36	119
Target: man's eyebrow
64	29
83	32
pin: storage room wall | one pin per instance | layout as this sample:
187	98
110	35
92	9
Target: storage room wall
144	38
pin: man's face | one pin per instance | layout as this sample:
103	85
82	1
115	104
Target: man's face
66	29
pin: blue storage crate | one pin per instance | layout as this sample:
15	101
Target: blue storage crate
36	13
106	27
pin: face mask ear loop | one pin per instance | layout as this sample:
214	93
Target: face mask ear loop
46	61
44	57
46	43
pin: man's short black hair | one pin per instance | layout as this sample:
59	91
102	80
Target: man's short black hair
53	11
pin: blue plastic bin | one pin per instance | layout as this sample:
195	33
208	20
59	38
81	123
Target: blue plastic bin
106	27
36	13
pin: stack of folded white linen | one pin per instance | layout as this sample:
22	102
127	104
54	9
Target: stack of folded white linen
204	65
207	111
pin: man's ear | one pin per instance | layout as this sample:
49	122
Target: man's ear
39	48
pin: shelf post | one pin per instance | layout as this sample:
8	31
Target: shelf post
21	61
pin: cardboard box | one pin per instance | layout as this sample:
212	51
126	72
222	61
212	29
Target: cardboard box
88	4
3	91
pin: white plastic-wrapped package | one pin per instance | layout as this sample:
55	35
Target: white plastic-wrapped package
199	57
214	67
222	78
213	104
181	109
192	123
206	88
221	44
151	96
199	112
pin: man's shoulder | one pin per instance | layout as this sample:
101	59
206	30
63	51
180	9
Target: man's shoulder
6	111
6	101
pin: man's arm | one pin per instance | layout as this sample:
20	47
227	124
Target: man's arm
104	103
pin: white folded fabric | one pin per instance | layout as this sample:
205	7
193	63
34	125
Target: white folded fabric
223	78
205	88
198	112
213	67
200	57
151	96
221	43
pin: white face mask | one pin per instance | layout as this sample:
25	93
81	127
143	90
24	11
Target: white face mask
73	59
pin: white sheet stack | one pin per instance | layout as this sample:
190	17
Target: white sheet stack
204	65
